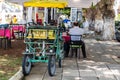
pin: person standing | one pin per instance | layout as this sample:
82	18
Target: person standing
67	23
14	19
86	26
66	39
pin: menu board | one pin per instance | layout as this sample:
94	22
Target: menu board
73	14
41	34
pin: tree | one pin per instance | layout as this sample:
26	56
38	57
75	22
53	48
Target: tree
65	11
103	17
107	13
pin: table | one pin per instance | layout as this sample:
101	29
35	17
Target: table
19	29
6	35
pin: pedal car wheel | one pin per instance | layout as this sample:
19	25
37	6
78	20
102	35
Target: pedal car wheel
51	65
63	54
26	65
60	63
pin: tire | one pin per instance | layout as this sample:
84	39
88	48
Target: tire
63	54
26	65
60	63
51	65
117	36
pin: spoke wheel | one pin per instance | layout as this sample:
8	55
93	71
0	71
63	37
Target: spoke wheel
51	65
62	54
26	65
60	63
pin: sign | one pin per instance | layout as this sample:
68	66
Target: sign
41	34
8	10
73	14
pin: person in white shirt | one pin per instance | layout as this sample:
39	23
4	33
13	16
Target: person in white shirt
86	26
76	30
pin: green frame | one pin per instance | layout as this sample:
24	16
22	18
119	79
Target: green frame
34	46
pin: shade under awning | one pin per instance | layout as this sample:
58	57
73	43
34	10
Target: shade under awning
46	3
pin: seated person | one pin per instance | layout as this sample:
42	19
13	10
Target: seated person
77	31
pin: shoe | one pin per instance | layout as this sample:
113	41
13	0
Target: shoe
118	56
75	55
84	57
71	56
66	55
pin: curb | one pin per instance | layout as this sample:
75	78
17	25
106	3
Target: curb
17	76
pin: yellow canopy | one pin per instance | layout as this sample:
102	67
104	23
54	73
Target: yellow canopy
46	3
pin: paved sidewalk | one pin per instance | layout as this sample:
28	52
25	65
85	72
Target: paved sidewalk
102	64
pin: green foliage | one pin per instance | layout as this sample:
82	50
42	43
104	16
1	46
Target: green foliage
63	24
93	6
84	10
98	39
118	17
117	23
65	11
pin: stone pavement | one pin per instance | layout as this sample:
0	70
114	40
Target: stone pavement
102	64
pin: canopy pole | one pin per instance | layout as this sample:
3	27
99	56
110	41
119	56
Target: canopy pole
29	14
51	13
54	13
36	11
45	16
